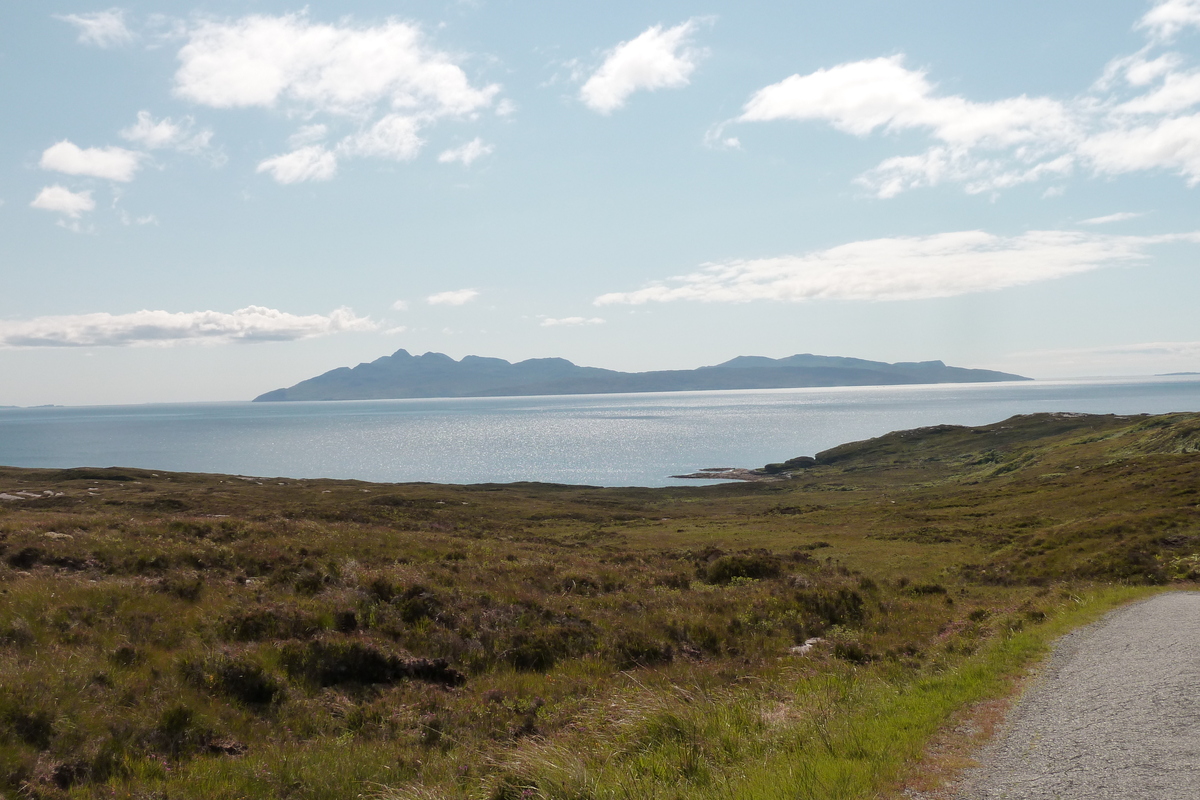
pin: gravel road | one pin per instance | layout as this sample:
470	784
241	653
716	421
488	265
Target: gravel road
1115	713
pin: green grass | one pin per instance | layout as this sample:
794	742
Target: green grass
206	636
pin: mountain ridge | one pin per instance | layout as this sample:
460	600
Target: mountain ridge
403	375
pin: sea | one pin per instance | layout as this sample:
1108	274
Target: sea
600	440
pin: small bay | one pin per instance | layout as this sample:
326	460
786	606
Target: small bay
605	440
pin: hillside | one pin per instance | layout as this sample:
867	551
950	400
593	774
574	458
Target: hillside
436	375
213	636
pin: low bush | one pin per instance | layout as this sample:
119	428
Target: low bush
234	676
269	622
333	662
724	569
824	608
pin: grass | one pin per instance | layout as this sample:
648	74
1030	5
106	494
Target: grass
178	635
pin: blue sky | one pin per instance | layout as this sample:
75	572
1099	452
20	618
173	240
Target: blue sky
208	201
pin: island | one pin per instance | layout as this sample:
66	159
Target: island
402	375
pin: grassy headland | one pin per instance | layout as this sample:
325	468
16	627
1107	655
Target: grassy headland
180	635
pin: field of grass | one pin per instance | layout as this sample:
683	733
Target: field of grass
167	635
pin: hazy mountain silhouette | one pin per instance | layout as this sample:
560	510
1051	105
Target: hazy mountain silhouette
437	375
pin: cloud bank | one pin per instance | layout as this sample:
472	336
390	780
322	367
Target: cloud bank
249	325
384	81
902	268
657	59
1139	116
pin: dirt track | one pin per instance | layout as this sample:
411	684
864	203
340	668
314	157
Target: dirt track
1115	714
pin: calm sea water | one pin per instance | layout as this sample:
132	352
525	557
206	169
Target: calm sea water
607	440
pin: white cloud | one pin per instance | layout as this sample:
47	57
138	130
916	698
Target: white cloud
400	305
656	59
250	324
128	219
882	93
1165	144
165	133
395	136
903	268
452	298
466	153
263	61
1133	119
113	163
64	201
386	80
100	28
1169	17
570	322
312	163
1120	216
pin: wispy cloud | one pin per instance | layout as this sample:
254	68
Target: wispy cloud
570	322
1120	216
903	268
312	163
100	28
1169	17
1143	358
1138	116
658	58
249	325
457	297
112	163
64	201
467	153
166	133
385	81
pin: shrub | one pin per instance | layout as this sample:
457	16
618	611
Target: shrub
852	652
17	633
744	565
309	584
841	607
269	622
332	663
186	587
177	733
25	558
236	677
674	580
539	650
416	603
636	649
34	727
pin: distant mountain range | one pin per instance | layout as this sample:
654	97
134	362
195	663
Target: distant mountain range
437	375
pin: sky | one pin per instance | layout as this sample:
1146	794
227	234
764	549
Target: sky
206	201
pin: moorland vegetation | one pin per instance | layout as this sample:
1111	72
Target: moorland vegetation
167	635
